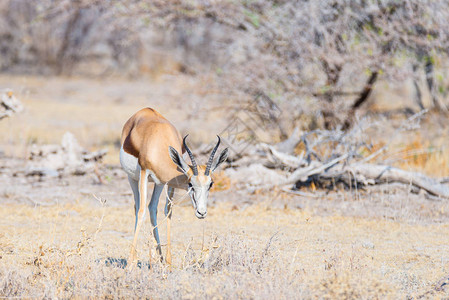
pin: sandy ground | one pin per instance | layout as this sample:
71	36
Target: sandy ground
55	235
391	244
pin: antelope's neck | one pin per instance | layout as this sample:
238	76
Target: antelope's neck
179	182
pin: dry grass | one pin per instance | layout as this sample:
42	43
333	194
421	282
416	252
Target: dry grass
430	157
255	252
416	152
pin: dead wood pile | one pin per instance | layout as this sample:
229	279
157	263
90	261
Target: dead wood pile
9	104
325	159
68	158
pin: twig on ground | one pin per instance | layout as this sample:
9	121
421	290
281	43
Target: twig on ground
299	193
265	251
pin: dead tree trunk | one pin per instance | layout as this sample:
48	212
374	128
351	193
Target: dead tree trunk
382	173
429	69
364	94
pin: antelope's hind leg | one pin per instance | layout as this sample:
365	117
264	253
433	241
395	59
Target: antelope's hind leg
141	196
152	207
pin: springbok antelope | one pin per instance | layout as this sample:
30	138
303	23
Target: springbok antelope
151	150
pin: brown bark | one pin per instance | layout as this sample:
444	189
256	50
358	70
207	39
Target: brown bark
368	88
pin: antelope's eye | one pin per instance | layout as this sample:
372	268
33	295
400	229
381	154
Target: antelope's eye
211	184
190	186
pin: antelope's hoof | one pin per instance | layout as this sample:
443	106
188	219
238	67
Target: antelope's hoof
168	259
131	262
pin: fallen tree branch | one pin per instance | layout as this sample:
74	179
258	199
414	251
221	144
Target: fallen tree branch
383	173
299	193
440	286
67	158
285	159
303	173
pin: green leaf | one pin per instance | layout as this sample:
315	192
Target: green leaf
254	18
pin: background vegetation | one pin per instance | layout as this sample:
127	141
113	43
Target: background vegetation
372	72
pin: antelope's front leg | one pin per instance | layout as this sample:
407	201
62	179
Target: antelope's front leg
168	213
143	186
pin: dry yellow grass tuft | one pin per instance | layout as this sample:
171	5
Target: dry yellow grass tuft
426	156
422	154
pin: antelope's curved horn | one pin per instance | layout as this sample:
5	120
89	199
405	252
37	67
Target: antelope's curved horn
192	159
211	158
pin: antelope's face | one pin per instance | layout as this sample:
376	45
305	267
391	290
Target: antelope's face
199	179
199	187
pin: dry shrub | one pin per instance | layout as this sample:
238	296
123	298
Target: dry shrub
422	155
347	286
12	283
228	267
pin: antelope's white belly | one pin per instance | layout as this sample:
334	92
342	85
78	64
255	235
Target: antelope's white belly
130	164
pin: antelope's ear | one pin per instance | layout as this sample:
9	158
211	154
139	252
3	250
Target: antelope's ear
178	160
221	159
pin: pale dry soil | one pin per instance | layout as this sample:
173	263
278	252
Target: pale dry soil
56	237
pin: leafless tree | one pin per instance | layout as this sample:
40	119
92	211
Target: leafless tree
314	56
